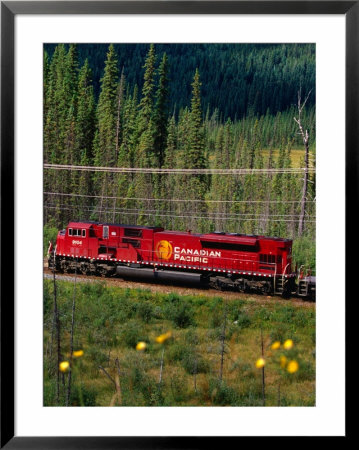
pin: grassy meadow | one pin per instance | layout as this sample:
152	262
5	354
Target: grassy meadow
296	156
197	350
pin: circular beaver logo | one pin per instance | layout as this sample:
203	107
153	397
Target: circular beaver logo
163	250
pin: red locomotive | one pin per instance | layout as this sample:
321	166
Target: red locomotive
221	260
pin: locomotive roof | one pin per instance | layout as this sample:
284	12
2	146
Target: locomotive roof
228	238
88	224
218	236
249	239
222	235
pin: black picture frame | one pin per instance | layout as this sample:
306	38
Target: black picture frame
9	9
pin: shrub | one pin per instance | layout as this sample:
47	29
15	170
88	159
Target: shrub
179	388
145	311
194	363
145	385
216	319
172	299
222	394
176	352
243	321
182	315
50	234
192	337
132	333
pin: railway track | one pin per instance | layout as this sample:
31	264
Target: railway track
170	287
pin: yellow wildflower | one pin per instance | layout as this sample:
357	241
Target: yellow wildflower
283	361
163	337
141	346
293	366
288	344
275	345
78	353
260	363
64	366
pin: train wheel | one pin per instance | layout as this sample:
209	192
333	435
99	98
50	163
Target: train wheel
84	268
64	266
102	272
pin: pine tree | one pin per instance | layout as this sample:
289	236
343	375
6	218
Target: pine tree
146	104
105	142
144	151
197	184
161	112
195	154
84	131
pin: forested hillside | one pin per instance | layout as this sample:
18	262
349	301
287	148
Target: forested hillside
237	79
184	136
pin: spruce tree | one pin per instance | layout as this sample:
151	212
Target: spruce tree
105	142
195	154
144	151
161	112
195	159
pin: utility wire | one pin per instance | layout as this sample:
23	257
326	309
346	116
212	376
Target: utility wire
172	216
178	171
210	214
63	194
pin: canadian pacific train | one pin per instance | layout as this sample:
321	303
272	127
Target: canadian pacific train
220	260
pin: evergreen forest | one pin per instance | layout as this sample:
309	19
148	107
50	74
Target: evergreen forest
207	137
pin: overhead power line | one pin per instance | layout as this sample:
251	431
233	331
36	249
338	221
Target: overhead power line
150	170
63	194
172	216
209	214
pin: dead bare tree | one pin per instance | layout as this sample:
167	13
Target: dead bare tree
115	382
305	137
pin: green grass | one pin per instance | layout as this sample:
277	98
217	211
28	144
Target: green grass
296	156
110	321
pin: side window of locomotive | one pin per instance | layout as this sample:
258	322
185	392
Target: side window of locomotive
133	232
267	259
70	231
84	233
105	232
